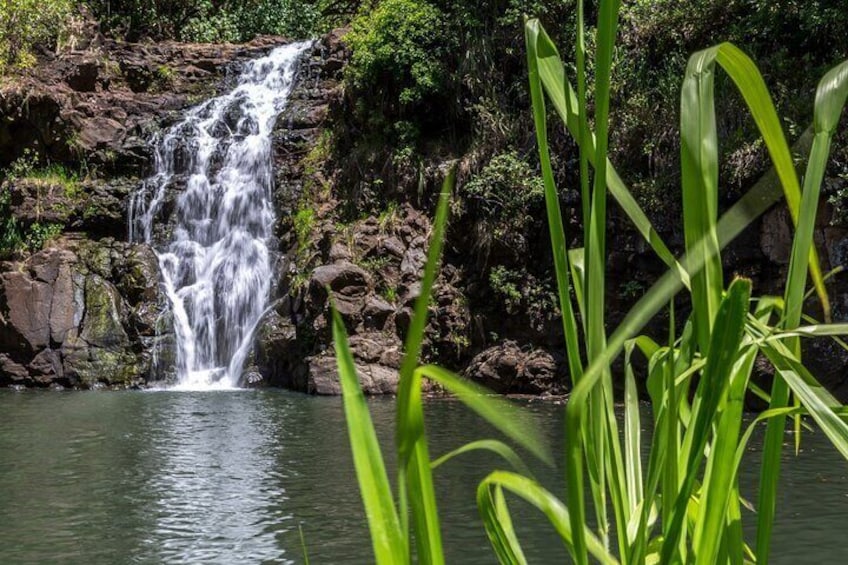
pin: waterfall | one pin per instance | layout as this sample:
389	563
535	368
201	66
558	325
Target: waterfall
212	237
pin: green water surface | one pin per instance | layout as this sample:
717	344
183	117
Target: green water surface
228	477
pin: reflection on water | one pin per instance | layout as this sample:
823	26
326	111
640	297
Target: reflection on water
216	483
228	477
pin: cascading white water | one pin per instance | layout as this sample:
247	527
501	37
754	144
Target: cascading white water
216	268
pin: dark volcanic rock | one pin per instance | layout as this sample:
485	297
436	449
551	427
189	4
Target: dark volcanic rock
508	369
64	320
101	104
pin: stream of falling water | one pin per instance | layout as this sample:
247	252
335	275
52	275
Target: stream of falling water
215	264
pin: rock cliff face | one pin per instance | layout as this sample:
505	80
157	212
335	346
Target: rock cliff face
86	309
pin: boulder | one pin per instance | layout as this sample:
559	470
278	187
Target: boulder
373	378
64	320
508	369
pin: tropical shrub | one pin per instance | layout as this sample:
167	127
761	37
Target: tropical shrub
399	55
25	24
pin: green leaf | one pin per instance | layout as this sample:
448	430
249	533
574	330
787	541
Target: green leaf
504	416
830	100
712	388
720	479
386	536
543	500
544	59
493	445
415	473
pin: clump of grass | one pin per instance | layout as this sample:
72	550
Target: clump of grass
682	504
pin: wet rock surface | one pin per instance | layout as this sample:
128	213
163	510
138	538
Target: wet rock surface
77	313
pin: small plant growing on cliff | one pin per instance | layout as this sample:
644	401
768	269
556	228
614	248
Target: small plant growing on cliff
504	197
41	233
304	223
503	283
24	165
11	239
165	75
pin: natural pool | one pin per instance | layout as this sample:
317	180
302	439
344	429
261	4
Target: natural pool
227	477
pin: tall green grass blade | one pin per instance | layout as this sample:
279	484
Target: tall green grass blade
632	439
547	503
578	272
699	174
750	83
386	536
720	477
820	404
603	427
504	416
724	351
422	503
582	134
632	458
409	430
554	214
415	473
567	105
830	100
498	525
497	447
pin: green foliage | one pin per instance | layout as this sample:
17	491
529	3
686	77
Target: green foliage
28	167
25	24
17	238
389	217
720	328
304	222
506	195
375	264
505	283
165	74
217	21
39	234
390	294
399	54
794	43
684	506
521	293
11	238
